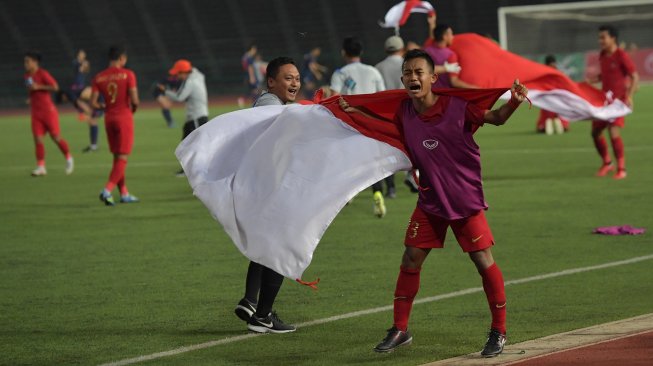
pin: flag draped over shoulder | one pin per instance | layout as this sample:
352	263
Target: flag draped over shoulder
398	14
485	64
275	177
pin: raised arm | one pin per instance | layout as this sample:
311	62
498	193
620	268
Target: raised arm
500	115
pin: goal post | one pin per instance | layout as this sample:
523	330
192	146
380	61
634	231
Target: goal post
569	31
572	27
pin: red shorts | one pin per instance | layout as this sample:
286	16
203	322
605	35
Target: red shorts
48	123
429	231
599	125
120	133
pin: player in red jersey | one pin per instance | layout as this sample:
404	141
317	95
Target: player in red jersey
619	80
118	87
45	118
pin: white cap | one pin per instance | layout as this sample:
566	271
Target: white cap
393	44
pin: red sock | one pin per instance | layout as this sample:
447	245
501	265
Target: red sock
496	296
63	146
618	148
40	154
117	172
122	186
407	287
602	148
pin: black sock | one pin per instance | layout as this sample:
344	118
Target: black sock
270	284
253	282
93	134
167	115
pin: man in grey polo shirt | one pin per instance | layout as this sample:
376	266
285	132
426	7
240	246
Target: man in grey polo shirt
263	284
192	92
283	83
390	67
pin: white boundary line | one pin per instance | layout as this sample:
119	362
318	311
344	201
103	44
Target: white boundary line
355	314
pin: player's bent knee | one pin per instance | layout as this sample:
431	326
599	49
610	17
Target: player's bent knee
414	257
482	258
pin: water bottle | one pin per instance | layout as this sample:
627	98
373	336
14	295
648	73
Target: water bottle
29	82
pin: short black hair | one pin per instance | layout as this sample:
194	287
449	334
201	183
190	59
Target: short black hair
612	31
413	54
272	70
440	30
34	55
549	59
115	52
352	46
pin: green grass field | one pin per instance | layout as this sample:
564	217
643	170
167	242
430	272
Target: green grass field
85	284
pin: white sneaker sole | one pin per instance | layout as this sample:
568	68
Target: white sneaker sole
262	329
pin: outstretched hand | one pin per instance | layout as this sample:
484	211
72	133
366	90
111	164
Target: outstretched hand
518	91
345	105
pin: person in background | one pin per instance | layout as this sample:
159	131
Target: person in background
312	72
549	122
117	85
247	62
390	69
45	118
358	78
193	93
619	80
171	83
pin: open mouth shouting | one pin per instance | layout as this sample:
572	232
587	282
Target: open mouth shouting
414	87
292	93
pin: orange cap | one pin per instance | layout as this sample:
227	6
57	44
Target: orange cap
181	66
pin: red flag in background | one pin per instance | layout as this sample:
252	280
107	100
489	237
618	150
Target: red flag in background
487	65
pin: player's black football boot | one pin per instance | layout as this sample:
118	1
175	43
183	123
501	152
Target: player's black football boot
394	339
494	345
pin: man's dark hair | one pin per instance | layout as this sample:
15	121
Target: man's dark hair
352	46
115	52
34	55
440	30
612	31
272	70
550	59
413	54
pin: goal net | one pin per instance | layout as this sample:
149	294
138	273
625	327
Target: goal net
568	29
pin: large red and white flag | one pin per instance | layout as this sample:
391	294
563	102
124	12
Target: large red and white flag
398	14
275	177
487	65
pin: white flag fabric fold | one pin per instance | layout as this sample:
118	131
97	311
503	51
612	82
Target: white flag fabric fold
275	177
398	14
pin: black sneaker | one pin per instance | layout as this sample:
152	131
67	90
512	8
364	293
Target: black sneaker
244	310
89	148
391	193
180	174
494	345
394	339
269	324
